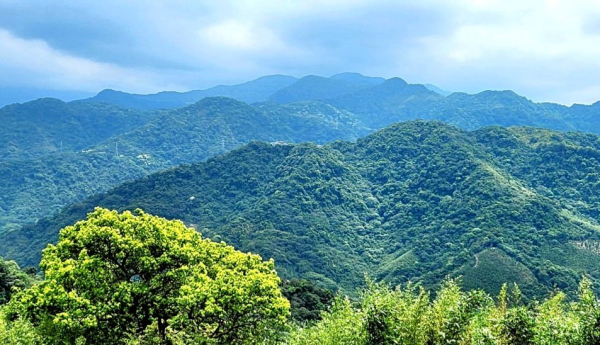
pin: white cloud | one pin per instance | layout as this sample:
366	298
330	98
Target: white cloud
32	63
539	48
546	50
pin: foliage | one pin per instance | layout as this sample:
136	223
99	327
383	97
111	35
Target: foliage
408	316
307	301
341	325
17	331
13	279
117	274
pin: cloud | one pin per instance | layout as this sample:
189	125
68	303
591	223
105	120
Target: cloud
546	50
33	63
540	48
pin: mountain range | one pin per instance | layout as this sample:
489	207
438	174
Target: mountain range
36	185
415	201
55	153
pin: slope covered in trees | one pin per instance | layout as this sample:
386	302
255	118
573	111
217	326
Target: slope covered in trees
49	125
35	186
415	201
54	153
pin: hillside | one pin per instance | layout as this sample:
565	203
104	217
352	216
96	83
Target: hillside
36	187
391	101
415	201
49	126
54	153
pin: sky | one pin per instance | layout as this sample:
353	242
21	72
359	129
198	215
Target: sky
545	50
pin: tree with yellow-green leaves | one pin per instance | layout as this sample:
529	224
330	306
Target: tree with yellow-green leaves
118	276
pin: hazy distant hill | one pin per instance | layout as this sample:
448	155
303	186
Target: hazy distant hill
415	201
391	101
253	91
437	90
313	88
378	102
357	78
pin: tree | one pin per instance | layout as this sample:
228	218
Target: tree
307	300
12	277
114	276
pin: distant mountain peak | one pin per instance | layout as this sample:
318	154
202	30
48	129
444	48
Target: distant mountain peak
437	90
110	92
215	101
395	81
358	78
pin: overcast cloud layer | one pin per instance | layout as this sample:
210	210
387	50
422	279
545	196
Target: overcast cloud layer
546	50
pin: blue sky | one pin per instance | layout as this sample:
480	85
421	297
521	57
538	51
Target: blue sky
546	50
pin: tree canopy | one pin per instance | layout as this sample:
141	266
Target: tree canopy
118	275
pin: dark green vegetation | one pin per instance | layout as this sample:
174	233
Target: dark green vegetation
13	278
307	301
416	201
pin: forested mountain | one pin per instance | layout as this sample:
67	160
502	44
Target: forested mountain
391	101
378	102
54	153
415	201
35	187
253	91
49	125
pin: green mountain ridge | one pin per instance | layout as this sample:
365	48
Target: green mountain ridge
39	186
55	153
415	201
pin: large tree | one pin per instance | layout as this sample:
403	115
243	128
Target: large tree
114	276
